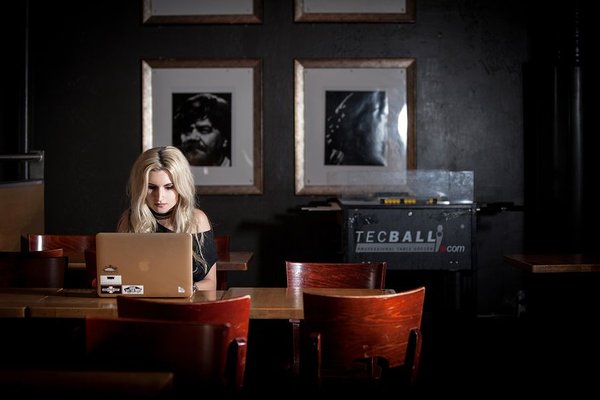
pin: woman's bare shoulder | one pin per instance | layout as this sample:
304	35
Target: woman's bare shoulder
202	221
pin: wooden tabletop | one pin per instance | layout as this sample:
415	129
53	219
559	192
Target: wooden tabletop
13	302
265	303
284	303
555	263
77	303
238	261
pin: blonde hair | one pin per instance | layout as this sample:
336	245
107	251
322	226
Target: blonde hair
139	217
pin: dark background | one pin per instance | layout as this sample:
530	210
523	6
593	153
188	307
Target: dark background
494	96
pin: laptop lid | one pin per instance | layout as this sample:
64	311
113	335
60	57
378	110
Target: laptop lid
144	264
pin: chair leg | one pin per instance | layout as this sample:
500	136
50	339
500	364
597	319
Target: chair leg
295	347
222	280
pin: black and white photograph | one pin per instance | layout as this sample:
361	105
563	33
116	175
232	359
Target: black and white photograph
355	127
202	128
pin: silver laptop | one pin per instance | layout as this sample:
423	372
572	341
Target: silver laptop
144	264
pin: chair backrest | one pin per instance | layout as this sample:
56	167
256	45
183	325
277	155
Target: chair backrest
73	245
59	252
195	352
336	275
343	332
90	266
222	243
44	268
234	311
43	272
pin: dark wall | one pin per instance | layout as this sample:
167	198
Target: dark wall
86	115
12	89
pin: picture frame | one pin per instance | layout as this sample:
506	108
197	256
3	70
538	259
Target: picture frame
202	12
363	144
385	11
172	88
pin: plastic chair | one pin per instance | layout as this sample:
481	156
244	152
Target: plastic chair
362	342
234	311
369	275
222	243
195	352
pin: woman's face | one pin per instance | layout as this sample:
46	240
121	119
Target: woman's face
161	196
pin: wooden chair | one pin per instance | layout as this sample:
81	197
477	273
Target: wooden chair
59	252
195	352
234	311
44	268
222	243
41	272
362	342
369	275
73	245
74	248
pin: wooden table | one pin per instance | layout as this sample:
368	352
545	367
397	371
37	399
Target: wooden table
555	263
71	303
13	302
237	261
559	287
265	303
284	303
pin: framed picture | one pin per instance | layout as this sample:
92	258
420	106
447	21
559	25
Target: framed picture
354	125
212	111
202	11
354	10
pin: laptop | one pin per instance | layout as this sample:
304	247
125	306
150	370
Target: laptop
144	264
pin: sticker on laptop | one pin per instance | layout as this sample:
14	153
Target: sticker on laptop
109	289
133	289
106	280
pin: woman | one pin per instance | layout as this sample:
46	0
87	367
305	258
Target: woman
162	197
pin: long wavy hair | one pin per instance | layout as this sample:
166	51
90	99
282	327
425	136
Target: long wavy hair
139	217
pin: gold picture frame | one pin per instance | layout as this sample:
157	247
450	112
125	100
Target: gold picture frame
192	12
165	81
373	163
384	11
